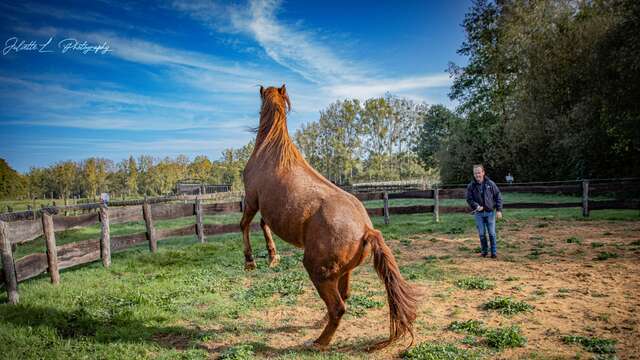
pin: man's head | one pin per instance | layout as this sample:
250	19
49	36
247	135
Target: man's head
478	172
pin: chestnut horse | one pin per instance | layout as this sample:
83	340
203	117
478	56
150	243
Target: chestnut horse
307	210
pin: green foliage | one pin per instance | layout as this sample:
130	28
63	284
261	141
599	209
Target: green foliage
574	240
423	271
472	326
439	351
606	255
507	305
12	184
592	344
474	283
371	140
505	337
562	97
357	305
238	352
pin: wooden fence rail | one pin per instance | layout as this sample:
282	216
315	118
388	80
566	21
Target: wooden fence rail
65	256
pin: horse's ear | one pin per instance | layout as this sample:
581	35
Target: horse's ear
261	91
283	90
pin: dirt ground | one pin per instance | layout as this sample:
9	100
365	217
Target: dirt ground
571	291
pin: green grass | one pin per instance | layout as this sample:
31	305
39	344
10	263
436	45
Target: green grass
357	305
196	295
440	351
474	283
574	240
505	337
592	344
472	326
507	305
606	255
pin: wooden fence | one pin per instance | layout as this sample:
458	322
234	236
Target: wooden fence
46	222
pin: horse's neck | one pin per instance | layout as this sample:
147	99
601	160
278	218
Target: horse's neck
273	143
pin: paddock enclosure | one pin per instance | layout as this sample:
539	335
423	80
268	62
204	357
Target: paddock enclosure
573	258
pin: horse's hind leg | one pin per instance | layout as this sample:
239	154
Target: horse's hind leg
274	258
328	290
344	287
245	225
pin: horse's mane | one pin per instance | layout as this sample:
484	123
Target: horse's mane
273	139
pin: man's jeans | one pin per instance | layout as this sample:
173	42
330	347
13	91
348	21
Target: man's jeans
486	220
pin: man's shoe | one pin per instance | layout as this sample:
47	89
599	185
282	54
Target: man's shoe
483	254
493	256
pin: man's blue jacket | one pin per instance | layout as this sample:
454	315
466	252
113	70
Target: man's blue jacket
492	198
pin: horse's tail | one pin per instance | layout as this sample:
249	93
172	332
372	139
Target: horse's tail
400	295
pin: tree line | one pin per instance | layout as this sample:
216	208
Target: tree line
144	175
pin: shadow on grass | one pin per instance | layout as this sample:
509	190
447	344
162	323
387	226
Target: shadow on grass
79	324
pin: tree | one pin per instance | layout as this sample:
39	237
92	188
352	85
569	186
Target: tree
435	130
132	176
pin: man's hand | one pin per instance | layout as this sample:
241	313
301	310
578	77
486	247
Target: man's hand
499	215
479	208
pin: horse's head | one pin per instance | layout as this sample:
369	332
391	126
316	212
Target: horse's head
275	99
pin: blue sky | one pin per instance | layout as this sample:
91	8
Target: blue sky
182	77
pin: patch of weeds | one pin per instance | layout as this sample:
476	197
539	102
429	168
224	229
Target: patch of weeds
507	305
357	305
474	283
455	230
606	255
422	271
286	284
591	344
563	292
505	337
512	278
596	244
574	240
470	340
536	238
463	248
539	292
405	242
238	352
635	243
439	351
534	254
472	326
430	258
542	225
433	240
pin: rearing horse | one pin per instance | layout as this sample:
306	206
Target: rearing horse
332	226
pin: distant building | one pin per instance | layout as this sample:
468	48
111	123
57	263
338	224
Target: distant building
195	187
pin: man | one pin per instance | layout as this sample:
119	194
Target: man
484	198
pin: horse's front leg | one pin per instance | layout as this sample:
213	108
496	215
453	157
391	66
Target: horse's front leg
274	258
245	225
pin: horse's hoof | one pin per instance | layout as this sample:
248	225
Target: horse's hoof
250	265
274	261
310	344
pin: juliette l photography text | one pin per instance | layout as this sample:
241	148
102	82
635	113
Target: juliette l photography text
65	46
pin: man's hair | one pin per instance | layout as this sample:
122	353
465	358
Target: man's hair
478	166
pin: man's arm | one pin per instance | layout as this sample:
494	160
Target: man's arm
469	195
498	200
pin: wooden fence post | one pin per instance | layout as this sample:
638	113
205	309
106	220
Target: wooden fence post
585	198
8	266
105	236
199	225
436	203
385	197
151	231
52	251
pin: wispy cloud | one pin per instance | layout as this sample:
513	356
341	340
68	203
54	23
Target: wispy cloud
299	51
